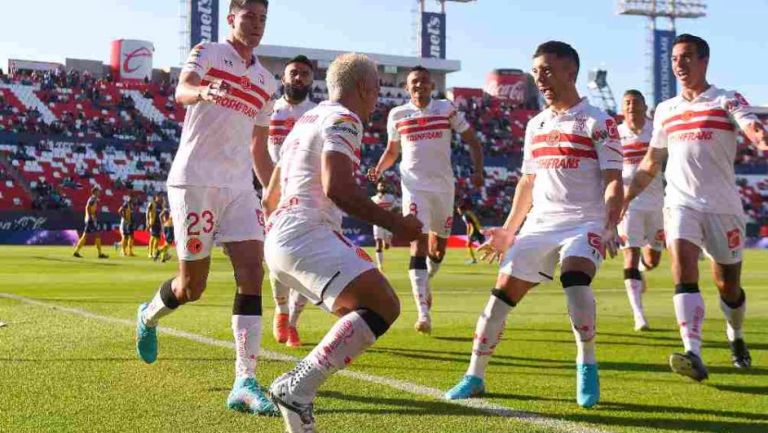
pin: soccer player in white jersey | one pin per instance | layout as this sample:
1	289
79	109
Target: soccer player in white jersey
570	198
297	79
423	128
229	98
315	182
696	131
381	236
642	229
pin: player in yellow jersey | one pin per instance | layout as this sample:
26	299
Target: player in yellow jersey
153	224
91	230
126	227
167	222
474	229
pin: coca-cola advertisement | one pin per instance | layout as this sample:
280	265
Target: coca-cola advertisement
508	84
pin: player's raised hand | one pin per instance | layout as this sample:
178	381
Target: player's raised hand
213	90
611	241
499	241
409	228
477	180
372	174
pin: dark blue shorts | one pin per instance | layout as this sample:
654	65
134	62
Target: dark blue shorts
91	227
168	233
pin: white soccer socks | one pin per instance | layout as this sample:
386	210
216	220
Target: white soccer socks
734	313
689	311
296	306
420	286
583	314
280	293
246	327
488	332
380	259
163	304
633	282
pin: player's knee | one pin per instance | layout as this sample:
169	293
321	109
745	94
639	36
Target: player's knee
377	323
191	288
632	274
575	278
651	261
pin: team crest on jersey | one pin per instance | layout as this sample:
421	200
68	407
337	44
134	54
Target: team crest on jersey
580	123
553	137
421	121
245	83
688	115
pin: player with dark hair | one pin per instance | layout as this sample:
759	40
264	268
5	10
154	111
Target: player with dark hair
91	229
127	226
696	134
570	199
154	225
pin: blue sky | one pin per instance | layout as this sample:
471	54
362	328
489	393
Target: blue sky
484	35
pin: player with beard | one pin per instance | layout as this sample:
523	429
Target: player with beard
297	82
697	132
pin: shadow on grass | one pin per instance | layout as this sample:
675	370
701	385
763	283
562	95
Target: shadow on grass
83	261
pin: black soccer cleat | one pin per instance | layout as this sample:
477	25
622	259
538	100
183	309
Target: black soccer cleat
76	254
103	256
688	364
740	354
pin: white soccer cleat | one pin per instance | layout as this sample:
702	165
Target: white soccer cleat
296	411
641	324
423	326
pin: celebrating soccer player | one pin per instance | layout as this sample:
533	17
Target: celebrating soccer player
424	129
229	96
570	198
697	132
315	183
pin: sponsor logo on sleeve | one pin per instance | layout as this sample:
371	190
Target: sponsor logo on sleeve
613	131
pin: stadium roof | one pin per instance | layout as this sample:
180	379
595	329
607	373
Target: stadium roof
324	58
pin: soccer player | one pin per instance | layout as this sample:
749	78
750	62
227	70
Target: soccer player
167	221
315	183
229	97
297	80
570	198
91	229
381	236
696	131
642	229
424	129
474	229
154	226
126	227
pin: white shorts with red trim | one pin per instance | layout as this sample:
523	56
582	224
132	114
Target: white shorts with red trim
535	252
721	236
433	209
204	217
641	228
382	233
319	263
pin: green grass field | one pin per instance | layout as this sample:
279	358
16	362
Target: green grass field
62	370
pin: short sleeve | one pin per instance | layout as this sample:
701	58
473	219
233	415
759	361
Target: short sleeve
343	132
458	120
200	60
659	135
529	164
392	131
738	111
605	136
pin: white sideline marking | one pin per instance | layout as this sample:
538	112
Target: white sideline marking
412	388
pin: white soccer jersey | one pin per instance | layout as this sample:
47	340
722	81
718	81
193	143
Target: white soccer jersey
214	150
700	136
635	147
425	140
386	201
283	118
568	152
303	205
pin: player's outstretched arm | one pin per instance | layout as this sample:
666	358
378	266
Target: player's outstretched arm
339	185
500	239
189	91
388	158
476	154
262	162
648	170
271	195
614	199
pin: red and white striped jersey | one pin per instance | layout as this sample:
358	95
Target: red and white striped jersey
283	118
700	136
425	140
214	150
567	152
329	127
635	147
384	201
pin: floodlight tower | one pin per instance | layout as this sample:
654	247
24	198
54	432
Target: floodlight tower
660	78
433	28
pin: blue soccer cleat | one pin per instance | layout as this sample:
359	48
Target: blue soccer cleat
247	396
587	385
146	338
469	386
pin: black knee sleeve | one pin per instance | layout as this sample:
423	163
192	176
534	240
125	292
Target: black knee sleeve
378	325
418	263
575	278
734	305
632	274
498	293
246	305
686	288
167	295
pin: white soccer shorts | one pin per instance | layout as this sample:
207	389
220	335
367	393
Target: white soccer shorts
204	217
382	233
433	209
721	236
318	263
536	251
641	228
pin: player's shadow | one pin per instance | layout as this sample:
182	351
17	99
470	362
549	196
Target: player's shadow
393	406
671	423
75	261
743	389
